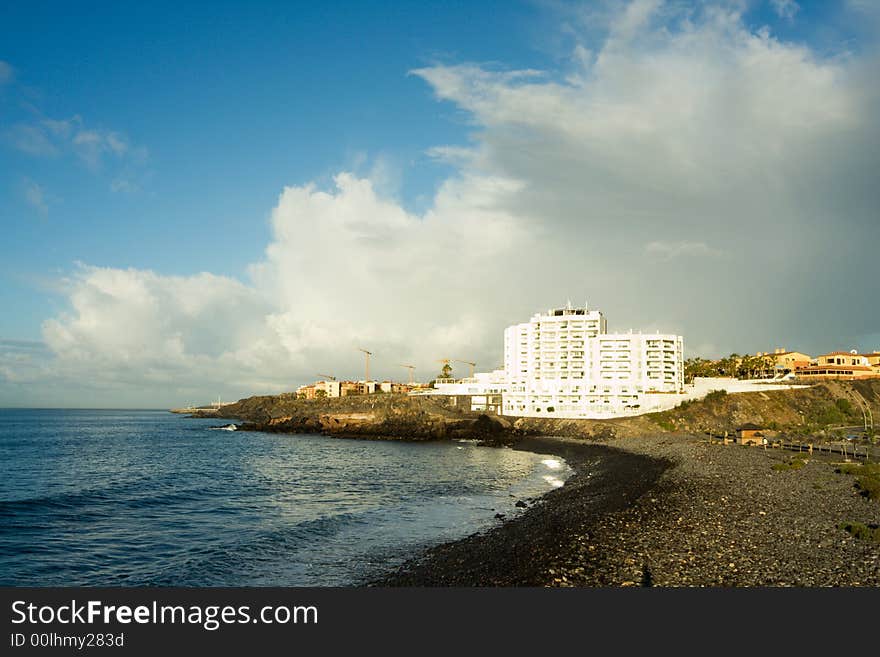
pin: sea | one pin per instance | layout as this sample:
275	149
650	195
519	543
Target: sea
150	498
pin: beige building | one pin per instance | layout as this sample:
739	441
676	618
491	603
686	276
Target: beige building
347	388
750	434
323	389
840	365
786	361
394	387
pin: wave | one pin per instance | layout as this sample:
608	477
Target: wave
261	554
143	493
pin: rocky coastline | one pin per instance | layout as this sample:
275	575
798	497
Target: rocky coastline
801	414
646	505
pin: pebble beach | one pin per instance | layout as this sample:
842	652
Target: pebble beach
672	511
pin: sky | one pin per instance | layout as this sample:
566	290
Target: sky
229	199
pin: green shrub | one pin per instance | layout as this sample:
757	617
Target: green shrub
844	406
716	395
862	531
827	415
867	477
870	487
795	464
665	423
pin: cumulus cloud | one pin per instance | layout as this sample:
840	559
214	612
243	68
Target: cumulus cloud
345	268
688	174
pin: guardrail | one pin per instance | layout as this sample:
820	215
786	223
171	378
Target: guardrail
847	451
864	452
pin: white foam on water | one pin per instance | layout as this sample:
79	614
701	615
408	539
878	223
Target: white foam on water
553	464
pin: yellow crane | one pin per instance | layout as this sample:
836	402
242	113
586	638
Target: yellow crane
367	355
467	362
329	377
411	369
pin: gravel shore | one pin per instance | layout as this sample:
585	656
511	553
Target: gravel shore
669	511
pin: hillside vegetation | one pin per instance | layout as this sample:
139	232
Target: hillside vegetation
814	411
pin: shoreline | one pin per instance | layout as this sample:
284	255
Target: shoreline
716	515
523	550
671	510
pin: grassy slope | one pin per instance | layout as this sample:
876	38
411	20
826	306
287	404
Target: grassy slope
806	411
802	411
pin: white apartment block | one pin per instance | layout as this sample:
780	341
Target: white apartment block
485	390
564	364
481	383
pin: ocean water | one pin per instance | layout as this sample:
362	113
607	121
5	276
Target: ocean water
118	498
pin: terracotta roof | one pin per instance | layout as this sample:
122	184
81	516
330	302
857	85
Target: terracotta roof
839	353
811	368
749	426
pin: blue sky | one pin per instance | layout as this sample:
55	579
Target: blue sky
229	105
159	136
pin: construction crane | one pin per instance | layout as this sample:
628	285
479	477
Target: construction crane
367	355
467	362
411	369
329	377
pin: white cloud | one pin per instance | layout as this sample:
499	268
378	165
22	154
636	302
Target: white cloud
45	136
35	196
785	8
93	145
345	268
681	136
32	140
123	185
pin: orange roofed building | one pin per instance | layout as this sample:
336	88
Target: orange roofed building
873	358
841	365
786	361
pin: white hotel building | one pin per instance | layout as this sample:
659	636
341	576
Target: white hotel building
564	364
